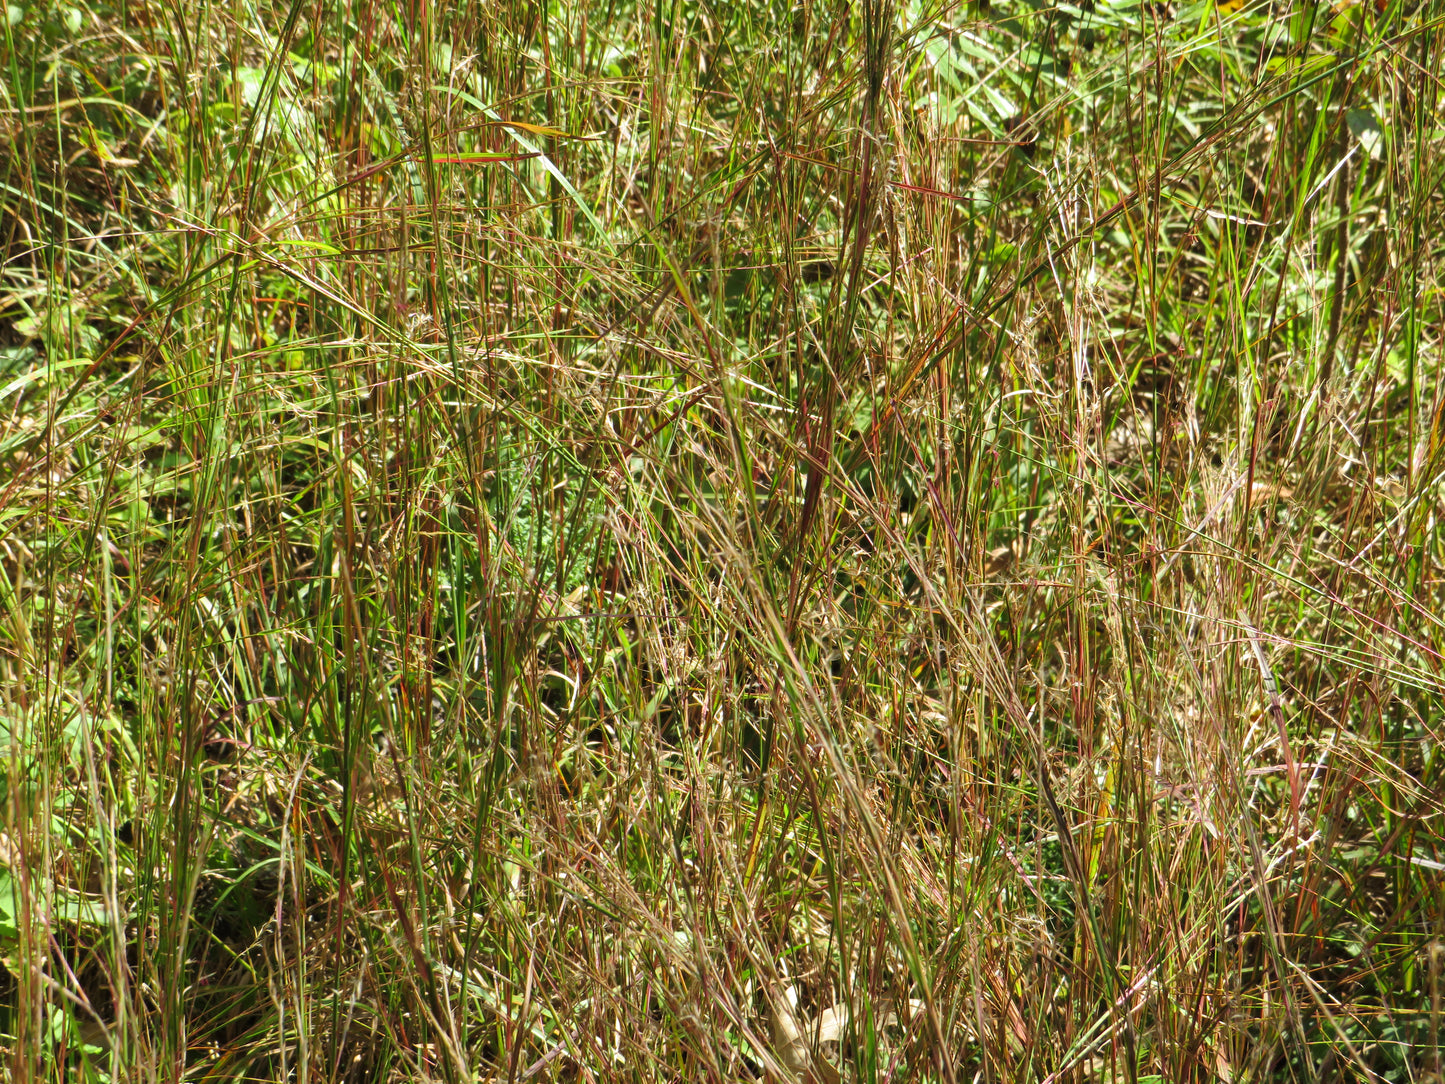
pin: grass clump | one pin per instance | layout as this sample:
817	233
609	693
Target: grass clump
804	543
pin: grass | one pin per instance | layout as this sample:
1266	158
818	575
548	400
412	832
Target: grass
722	542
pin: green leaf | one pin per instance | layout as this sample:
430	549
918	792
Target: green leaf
1365	128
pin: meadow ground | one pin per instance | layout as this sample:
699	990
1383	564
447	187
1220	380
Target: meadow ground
806	541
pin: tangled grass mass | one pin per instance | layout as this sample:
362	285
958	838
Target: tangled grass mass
810	541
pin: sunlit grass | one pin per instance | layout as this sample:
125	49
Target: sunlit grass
591	542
